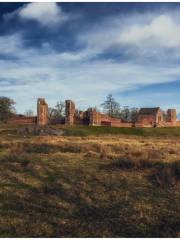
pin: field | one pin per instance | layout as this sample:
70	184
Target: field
90	182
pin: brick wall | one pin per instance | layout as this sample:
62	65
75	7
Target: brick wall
171	115
42	112
70	112
22	120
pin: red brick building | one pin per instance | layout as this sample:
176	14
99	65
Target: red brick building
150	116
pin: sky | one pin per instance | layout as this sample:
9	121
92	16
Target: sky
85	51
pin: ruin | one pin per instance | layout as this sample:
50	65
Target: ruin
42	112
171	115
147	117
70	112
90	117
153	117
41	119
21	119
150	117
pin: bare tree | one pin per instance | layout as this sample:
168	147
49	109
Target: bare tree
134	115
58	112
129	114
125	114
111	107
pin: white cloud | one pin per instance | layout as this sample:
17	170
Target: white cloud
137	36
47	13
9	44
57	75
162	31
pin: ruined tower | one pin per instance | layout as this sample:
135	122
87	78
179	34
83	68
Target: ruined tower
42	112
171	115
70	112
94	117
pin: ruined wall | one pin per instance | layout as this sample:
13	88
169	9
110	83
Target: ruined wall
171	115
159	117
149	117
22	120
153	119
90	117
113	121
94	117
146	119
42	112
81	118
100	119
178	123
70	112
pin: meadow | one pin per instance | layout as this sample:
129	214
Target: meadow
90	182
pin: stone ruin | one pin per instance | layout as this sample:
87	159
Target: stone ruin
147	117
42	112
153	117
70	112
171	115
89	117
41	119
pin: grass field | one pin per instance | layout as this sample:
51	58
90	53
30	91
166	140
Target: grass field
91	182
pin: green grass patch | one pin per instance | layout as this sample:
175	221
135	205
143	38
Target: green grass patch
101	130
80	130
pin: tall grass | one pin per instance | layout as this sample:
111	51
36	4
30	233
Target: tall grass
89	186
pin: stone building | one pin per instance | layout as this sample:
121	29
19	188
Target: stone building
94	117
150	117
21	119
70	112
42	112
171	115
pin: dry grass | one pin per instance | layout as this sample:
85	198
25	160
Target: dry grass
94	186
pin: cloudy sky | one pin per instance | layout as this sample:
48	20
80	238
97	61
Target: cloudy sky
84	51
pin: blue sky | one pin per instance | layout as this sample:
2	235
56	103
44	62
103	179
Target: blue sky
84	51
